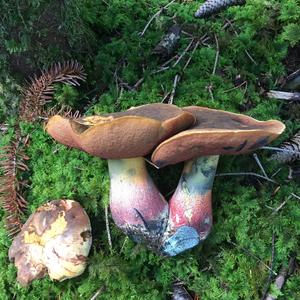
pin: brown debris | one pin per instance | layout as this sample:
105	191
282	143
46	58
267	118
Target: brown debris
169	42
12	161
41	90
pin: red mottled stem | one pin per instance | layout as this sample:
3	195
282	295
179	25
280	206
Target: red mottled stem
190	216
137	206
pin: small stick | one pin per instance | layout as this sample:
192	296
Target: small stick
151	163
277	209
253	255
260	165
281	278
165	97
217	55
190	58
296	196
98	292
236	87
184	52
176	80
272	265
125	241
107	227
138	83
159	70
170	60
246	173
284	95
250	57
209	88
275	173
157	14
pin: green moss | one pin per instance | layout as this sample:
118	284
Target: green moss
104	37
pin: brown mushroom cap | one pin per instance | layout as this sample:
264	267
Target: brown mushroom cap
127	134
216	132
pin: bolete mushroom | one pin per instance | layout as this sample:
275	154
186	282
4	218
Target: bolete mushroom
56	239
124	138
215	133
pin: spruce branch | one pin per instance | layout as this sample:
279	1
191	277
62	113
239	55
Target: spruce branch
12	160
40	91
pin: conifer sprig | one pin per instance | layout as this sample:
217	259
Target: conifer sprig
12	160
40	91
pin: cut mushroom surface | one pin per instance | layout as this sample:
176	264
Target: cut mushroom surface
56	239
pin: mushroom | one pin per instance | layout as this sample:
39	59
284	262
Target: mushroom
56	239
215	133
124	138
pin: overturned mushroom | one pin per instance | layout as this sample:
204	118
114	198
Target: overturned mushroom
56	239
215	133
124	138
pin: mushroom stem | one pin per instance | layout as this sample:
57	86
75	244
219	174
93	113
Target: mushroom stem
190	215
136	205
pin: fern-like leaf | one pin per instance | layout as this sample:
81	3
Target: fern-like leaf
290	150
40	91
211	7
12	160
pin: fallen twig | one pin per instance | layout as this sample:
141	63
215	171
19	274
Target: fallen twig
190	58
98	292
157	14
296	196
107	227
277	209
175	82
151	163
184	52
217	55
260	165
247	174
236	87
281	278
284	95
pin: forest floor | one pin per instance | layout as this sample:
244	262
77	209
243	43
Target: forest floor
226	61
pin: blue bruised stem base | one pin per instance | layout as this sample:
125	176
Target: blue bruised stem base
190	208
137	207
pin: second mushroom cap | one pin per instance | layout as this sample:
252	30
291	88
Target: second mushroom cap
216	132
